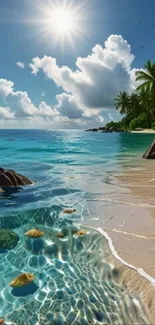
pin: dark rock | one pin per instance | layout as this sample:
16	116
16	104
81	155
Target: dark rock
8	239
114	129
9	178
1	170
150	153
106	129
115	272
139	129
102	128
92	130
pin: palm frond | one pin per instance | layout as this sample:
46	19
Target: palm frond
143	76
145	85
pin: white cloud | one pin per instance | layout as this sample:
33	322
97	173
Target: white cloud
110	117
88	91
99	76
20	104
5	113
100	119
20	65
6	87
46	110
68	105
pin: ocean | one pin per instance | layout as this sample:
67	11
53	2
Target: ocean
75	279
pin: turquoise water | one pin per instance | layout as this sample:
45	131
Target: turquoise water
75	280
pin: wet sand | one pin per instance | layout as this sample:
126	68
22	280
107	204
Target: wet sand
131	226
132	230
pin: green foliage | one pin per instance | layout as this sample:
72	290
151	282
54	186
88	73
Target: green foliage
138	108
147	78
113	124
125	123
153	126
122	102
143	121
134	124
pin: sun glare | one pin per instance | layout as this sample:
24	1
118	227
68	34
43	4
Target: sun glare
62	21
59	22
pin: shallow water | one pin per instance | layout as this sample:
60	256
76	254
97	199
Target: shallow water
75	280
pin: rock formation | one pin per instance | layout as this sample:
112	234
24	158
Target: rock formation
9	178
105	129
150	153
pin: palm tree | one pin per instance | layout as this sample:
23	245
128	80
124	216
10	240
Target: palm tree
147	88
122	102
148	78
145	98
135	106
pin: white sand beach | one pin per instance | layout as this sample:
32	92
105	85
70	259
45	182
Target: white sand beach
149	131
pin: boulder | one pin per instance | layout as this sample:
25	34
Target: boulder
150	153
11	178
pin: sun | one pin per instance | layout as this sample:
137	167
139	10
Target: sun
62	21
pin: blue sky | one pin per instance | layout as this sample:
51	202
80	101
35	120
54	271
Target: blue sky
73	103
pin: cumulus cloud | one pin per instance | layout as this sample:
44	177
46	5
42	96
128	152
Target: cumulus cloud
88	91
46	110
68	105
5	113
6	87
99	76
20	64
20	104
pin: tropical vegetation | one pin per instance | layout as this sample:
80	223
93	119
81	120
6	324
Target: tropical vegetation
138	108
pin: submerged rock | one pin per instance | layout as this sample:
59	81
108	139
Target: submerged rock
22	280
81	232
60	235
69	211
34	233
8	239
9	178
150	153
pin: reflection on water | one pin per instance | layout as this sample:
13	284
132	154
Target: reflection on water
75	280
75	277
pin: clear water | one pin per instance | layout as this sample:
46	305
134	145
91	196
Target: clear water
75	281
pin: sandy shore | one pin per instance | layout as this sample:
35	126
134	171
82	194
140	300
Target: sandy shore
144	131
131	226
134	239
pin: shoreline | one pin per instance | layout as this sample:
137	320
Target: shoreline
130	231
136	244
146	131
115	130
